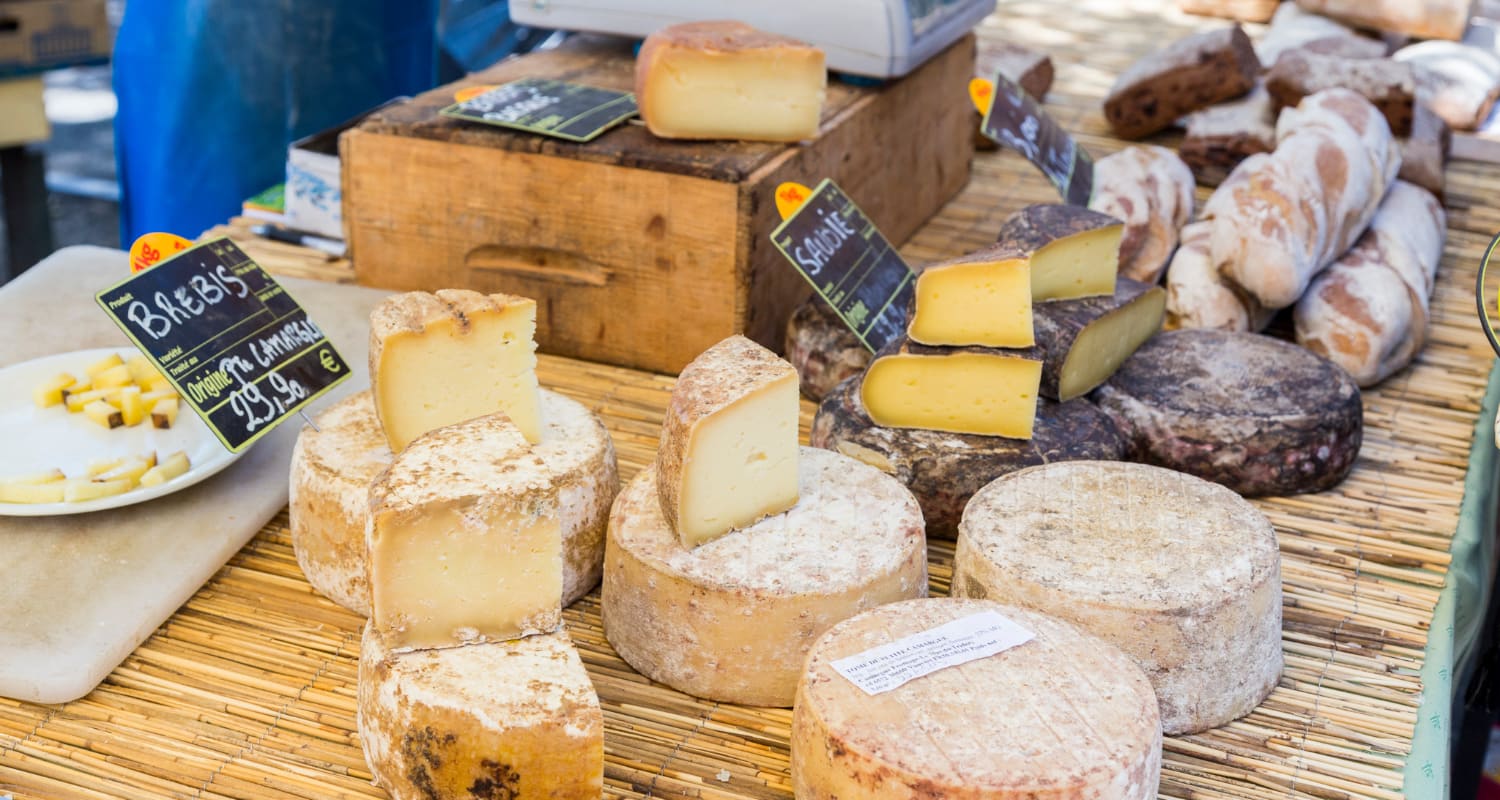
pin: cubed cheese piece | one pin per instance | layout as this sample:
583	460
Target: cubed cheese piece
174	465
49	492
50	392
1082	342
727	80
164	412
972	390
438	359
141	371
44	476
81	490
728	453
464	539
1074	252
130	469
103	413
980	299
77	401
511	720
108	362
112	377
132	408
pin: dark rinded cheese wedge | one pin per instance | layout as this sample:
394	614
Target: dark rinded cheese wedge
983	298
822	348
978	390
944	470
1186	75
1259	415
1074	252
1082	342
1390	86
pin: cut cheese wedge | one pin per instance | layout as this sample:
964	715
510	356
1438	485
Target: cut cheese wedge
1074	252
980	299
728	454
438	359
464	539
1082	342
727	80
969	390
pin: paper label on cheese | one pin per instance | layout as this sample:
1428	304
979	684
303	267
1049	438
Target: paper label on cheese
1017	121
881	669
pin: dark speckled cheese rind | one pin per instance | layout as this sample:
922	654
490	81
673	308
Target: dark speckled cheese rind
944	470
822	348
1256	414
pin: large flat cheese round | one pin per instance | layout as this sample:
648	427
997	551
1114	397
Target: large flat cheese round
732	619
500	719
1180	573
1259	415
943	469
332	468
1065	716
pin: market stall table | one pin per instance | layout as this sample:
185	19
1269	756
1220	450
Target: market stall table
248	690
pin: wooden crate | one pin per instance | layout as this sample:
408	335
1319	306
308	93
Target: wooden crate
640	252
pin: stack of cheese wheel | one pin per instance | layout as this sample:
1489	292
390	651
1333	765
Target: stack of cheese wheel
1182	574
461	508
728	557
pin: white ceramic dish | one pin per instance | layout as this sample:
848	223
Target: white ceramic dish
34	439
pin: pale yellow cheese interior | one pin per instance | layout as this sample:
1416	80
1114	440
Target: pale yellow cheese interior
448	374
992	395
1081	265
984	303
741	463
456	574
1104	345
770	94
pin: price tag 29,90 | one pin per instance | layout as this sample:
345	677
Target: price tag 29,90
237	348
1015	120
849	262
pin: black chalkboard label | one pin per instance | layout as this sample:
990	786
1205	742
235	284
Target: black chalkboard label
554	108
850	264
1018	122
236	347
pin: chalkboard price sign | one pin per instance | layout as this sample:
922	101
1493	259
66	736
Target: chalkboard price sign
849	262
1018	122
554	108
237	348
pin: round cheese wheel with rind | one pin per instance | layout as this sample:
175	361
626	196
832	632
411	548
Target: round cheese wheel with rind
1256	414
1065	716
333	465
517	718
733	618
1182	574
944	469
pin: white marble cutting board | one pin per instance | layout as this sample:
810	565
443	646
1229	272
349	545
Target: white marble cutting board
78	593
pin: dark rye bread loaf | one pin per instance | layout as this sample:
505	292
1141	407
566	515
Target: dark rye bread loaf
1189	74
1390	86
1218	138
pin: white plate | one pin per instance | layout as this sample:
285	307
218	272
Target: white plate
34	439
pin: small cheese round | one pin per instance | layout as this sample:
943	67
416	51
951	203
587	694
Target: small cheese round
943	469
500	719
732	619
1182	574
1063	716
333	466
1259	415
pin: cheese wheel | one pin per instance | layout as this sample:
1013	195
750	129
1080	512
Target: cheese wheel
1180	573
732	619
1064	716
944	470
332	468
1259	415
822	348
499	719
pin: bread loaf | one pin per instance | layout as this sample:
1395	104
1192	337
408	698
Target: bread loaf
1424	19
1458	81
1424	153
1151	189
1186	75
1368	311
1199	297
1218	138
1389	85
1292	28
1291	213
1242	10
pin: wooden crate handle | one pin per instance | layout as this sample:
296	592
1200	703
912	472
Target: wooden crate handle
538	263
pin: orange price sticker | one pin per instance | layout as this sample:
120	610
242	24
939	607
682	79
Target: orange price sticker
470	92
154	248
790	197
982	92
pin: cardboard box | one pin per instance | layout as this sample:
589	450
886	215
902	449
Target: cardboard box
38	35
641	252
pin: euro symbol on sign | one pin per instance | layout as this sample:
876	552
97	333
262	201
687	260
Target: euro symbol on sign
326	358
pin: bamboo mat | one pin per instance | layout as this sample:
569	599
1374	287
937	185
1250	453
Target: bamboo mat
248	691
